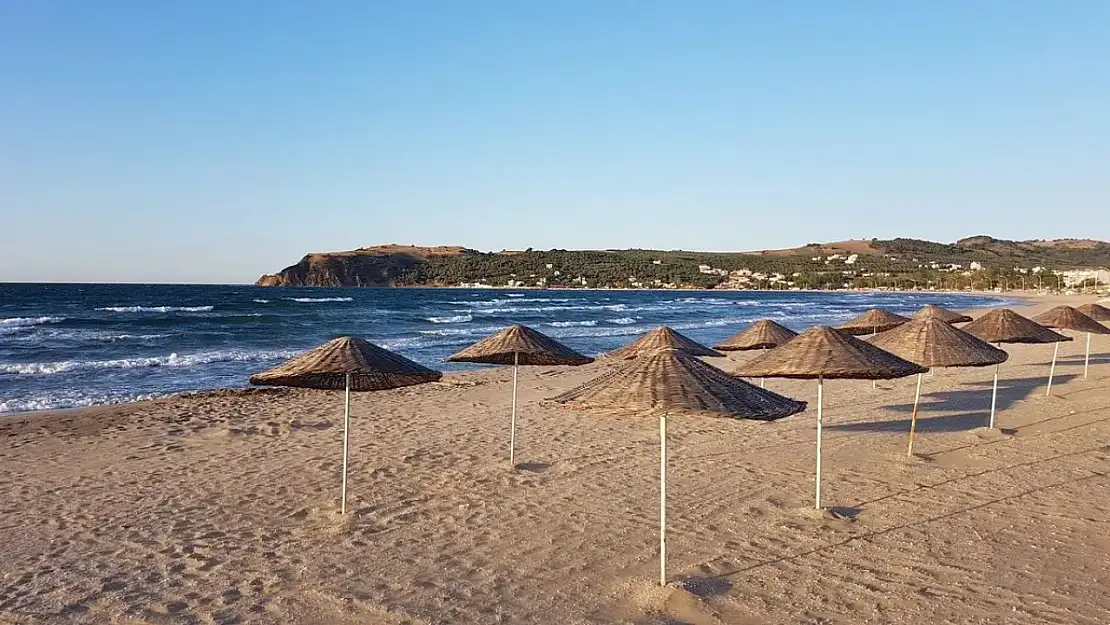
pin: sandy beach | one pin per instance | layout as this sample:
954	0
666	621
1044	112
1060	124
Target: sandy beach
223	507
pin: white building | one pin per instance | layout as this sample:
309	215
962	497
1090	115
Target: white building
1077	277
976	266
851	260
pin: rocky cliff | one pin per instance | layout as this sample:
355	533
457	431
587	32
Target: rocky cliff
383	265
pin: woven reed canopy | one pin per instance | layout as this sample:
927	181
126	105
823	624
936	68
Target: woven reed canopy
1003	325
372	368
1068	318
932	342
932	311
762	334
662	338
828	353
1095	311
670	380
520	345
874	320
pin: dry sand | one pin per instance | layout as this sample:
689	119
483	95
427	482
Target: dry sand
223	508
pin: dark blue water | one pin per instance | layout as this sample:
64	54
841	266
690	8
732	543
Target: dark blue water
64	346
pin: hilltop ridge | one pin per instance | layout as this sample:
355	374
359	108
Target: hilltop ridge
815	265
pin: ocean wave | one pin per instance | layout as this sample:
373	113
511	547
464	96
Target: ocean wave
515	300
172	360
37	334
11	325
317	300
261	301
572	324
63	400
450	319
622	321
158	309
448	332
15	322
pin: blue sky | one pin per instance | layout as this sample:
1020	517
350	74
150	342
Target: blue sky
212	141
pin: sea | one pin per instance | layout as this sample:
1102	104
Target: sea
76	345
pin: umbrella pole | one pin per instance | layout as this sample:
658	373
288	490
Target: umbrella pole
994	395
346	431
763	381
1087	357
913	419
663	499
820	398
512	424
874	383
1052	369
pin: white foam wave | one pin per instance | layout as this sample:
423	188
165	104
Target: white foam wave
172	360
11	325
317	300
14	322
451	319
62	400
622	321
572	324
158	309
447	332
262	301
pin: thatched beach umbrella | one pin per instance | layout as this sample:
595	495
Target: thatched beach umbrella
932	342
825	353
351	364
763	334
661	338
1068	318
670	381
1095	311
519	345
932	311
1003	325
872	322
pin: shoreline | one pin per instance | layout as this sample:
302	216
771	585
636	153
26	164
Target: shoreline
1024	301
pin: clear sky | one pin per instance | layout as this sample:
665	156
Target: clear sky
214	140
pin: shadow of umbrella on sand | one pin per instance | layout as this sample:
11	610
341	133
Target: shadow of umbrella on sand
827	353
1068	318
932	311
349	364
667	382
763	334
519	345
662	338
1003	325
932	342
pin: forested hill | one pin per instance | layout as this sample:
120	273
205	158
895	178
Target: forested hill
817	265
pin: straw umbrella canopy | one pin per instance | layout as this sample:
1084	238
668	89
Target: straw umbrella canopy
932	342
872	322
932	311
662	338
1003	325
1095	311
351	364
763	334
670	381
1068	318
519	345
827	353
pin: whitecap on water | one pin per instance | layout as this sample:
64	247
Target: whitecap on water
158	309
451	319
172	360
